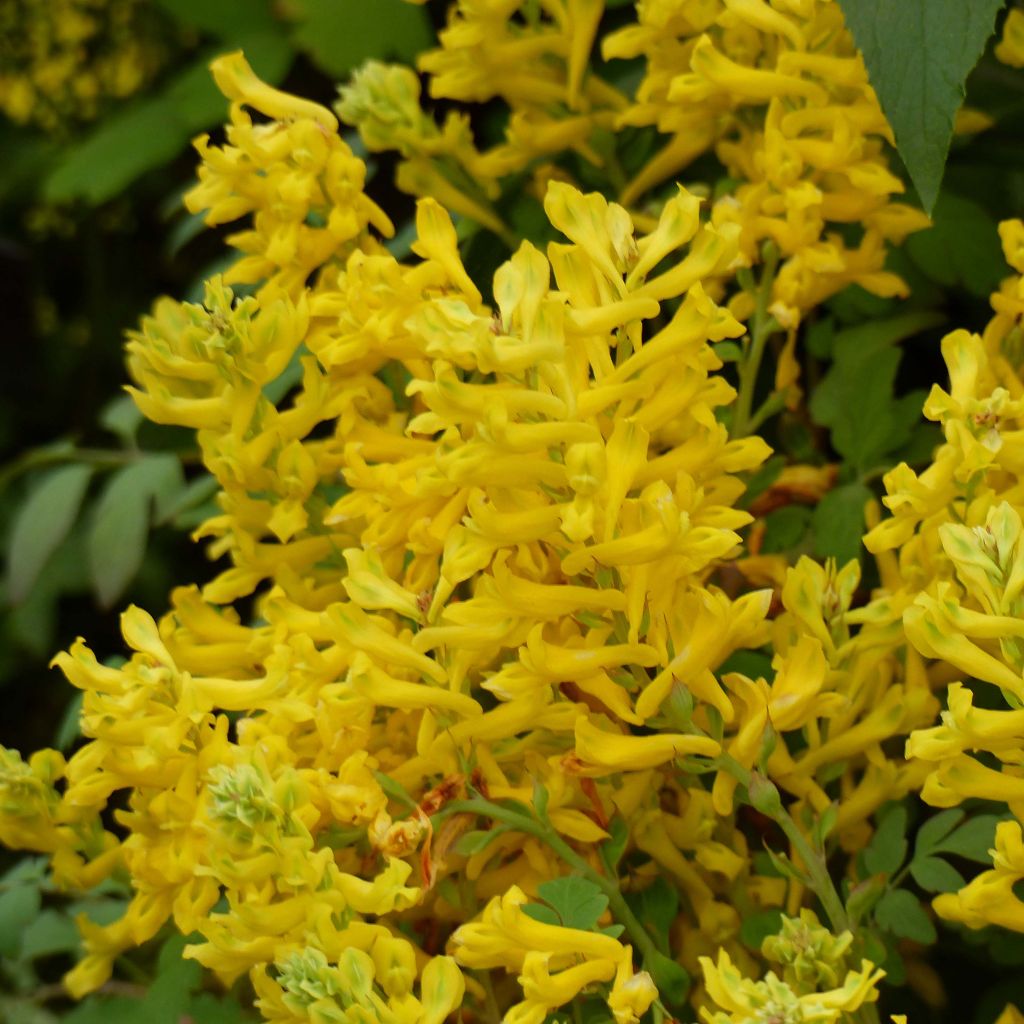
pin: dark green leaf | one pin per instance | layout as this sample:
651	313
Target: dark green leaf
577	902
615	845
973	839
672	979
934	875
888	847
918	54
838	522
961	248
197	492
41	524
340	34
656	907
222	18
50	932
936	829
121	416
763	478
117	540
785	528
477	841
17	908
855	398
899	912
70	725
756	928
155	129
541	912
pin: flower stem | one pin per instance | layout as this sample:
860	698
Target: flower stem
813	860
762	328
639	935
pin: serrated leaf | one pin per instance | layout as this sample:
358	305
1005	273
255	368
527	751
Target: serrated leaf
973	839
117	540
936	829
935	875
42	522
918	54
899	912
888	847
577	902
838	522
340	34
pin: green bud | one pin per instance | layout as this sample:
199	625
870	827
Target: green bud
764	796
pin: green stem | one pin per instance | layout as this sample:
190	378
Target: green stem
545	833
762	328
813	860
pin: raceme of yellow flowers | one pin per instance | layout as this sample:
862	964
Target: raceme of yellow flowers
61	61
486	626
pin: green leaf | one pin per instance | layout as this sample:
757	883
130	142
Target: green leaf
69	728
41	524
763	478
18	906
973	839
222	18
935	829
672	979
153	130
855	398
935	875
838	522
899	912
614	846
117	540
577	902
477	841
756	928
196	493
785	528
888	847
918	54
51	932
961	248
340	34
122	417
656	907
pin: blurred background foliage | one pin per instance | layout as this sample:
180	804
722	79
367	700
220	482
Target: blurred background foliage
96	506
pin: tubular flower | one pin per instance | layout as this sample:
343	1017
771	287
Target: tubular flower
482	620
780	93
957	586
300	182
740	1000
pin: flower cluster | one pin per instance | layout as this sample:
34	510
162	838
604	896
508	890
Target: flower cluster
957	585
489	664
62	60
